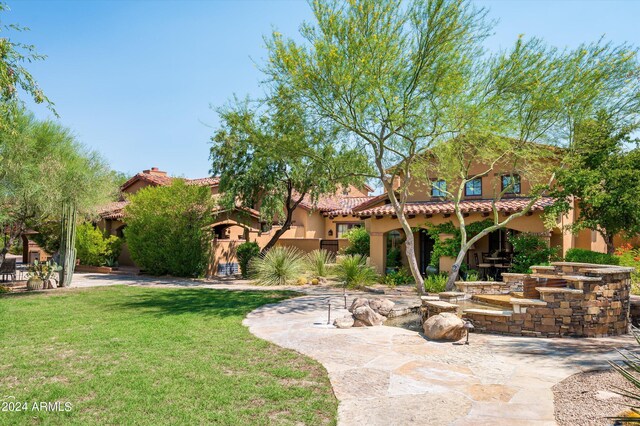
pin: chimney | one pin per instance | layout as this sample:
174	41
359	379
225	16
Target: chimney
154	171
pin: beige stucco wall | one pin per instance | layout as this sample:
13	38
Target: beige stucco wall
378	228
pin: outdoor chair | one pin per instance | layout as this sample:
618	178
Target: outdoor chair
8	269
483	267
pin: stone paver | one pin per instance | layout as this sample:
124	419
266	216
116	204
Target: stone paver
387	375
392	376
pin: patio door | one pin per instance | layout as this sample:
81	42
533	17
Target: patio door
426	248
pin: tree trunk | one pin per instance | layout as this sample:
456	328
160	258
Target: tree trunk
455	269
608	239
287	223
68	244
285	227
411	256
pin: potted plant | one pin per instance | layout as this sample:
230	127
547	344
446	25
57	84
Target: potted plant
41	275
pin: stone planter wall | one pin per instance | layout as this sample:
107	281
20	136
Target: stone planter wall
593	302
483	287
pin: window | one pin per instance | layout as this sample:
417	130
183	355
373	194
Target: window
511	183
343	228
473	187
438	188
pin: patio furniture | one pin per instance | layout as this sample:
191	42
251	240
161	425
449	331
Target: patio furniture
483	267
8	269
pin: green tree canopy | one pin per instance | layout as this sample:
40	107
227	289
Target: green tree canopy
273	157
14	76
42	166
400	78
602	173
166	229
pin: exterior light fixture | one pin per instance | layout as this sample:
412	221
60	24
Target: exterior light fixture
330	233
468	326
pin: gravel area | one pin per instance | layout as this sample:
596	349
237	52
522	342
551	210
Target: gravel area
587	398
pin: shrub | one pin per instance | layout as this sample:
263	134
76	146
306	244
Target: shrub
400	277
94	248
630	370
629	256
279	266
435	283
245	252
354	271
317	262
472	275
530	250
394	258
359	242
588	256
167	229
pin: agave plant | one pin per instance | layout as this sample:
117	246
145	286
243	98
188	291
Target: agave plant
630	370
317	262
279	266
354	271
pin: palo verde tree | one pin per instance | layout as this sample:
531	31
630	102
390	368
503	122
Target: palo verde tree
44	168
13	74
390	76
540	104
273	158
403	79
601	177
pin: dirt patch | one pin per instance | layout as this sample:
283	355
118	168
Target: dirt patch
588	398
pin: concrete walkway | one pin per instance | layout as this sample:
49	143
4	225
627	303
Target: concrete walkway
392	376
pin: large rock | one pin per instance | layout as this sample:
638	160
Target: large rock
381	306
444	326
365	317
344	322
357	302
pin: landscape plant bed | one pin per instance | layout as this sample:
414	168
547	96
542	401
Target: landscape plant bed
150	356
95	269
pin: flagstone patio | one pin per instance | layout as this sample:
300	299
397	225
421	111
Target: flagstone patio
388	375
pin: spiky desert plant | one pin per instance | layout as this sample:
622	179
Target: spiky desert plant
354	271
630	370
317	262
278	266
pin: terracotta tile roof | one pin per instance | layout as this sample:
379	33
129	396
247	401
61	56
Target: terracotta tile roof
113	210
162	180
346	205
333	205
510	205
211	181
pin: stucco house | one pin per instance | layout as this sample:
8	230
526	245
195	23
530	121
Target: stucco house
323	224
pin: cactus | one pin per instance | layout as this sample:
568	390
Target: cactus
68	243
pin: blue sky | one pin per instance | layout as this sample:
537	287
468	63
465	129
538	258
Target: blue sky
135	79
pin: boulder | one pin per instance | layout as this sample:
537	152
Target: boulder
344	322
381	306
357	302
444	326
365	317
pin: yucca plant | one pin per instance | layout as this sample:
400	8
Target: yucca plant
279	266
317	262
630	370
354	271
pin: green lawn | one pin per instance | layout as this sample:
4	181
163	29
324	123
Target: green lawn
131	355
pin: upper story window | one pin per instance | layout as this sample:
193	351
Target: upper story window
473	187
511	184
439	188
